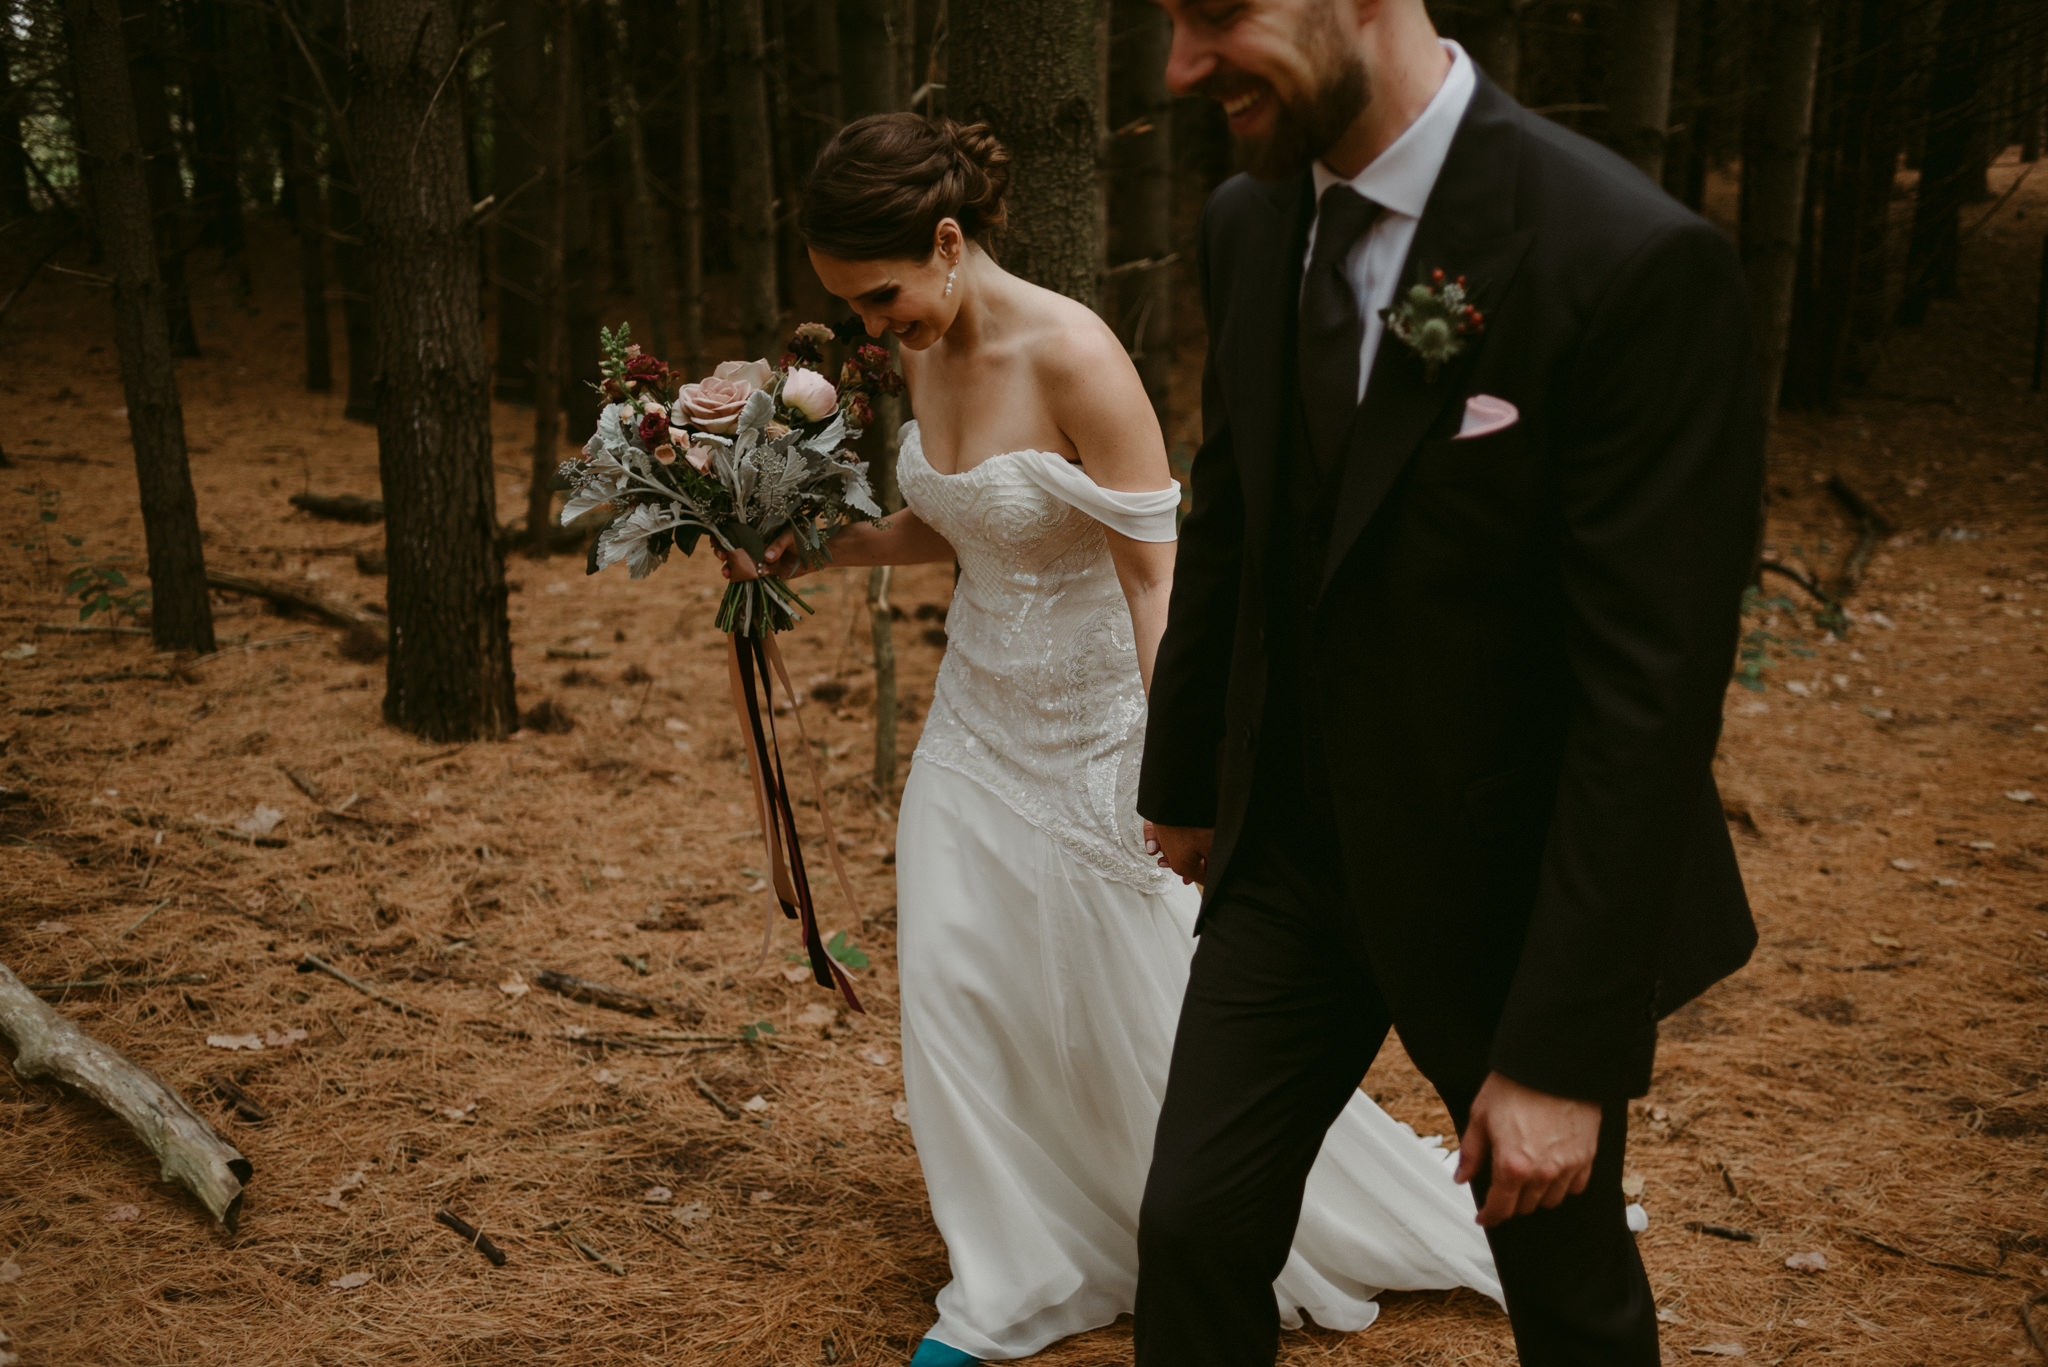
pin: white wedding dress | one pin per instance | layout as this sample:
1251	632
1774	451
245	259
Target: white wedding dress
1043	954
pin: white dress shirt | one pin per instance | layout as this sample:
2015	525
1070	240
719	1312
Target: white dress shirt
1399	181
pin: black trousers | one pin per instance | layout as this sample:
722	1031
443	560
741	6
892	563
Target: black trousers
1281	1021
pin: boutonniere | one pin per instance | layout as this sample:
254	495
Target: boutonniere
1435	320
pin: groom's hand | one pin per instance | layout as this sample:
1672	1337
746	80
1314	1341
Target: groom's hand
1540	1146
1184	849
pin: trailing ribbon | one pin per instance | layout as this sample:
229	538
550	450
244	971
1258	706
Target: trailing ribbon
749	658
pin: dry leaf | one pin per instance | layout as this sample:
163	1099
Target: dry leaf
515	985
1883	941
1719	1350
351	1281
606	1076
755	1103
874	1056
121	1215
796	973
279	1039
262	821
611	871
1632	1185
657	1196
235	1041
761	1196
1808	1262
901	1110
54	927
2020	795
349	1183
1905	865
817	1013
10	1271
459	1112
24	651
692	1213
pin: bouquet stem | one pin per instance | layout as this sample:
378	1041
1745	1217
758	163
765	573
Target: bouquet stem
759	607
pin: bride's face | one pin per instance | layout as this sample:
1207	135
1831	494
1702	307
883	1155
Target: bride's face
908	298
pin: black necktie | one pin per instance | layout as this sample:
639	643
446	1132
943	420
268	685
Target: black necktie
1326	345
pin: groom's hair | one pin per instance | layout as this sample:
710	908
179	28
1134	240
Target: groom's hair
884	183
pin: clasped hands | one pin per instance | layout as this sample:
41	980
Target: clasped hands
1536	1148
778	562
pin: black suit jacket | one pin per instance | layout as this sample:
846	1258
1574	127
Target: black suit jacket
1519	642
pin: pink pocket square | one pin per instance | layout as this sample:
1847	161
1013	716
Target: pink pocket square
1484	415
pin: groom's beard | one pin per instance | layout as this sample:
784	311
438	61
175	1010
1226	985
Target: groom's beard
1305	128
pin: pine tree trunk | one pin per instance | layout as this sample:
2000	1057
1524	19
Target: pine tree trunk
217	193
1855	199
1141	193
142	33
1954	110
1639	82
1030	71
449	673
867	57
649	273
1494	35
310	223
518	93
753	181
1774	186
551	282
690	188
346	232
14	172
180	616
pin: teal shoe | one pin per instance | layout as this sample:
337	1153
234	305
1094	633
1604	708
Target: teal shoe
932	1353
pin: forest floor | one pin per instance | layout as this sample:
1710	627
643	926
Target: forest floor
1870	1089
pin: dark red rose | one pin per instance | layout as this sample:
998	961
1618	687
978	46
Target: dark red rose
653	430
859	411
874	357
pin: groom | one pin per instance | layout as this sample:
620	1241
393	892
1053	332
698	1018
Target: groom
1433	716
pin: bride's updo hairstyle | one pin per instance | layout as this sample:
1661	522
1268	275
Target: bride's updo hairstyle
883	183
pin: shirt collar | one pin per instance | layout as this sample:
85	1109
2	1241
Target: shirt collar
1399	179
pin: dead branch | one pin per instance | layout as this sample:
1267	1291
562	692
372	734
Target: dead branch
244	1105
290	598
611	998
340	507
616	1269
1873	525
731	1111
313	963
192	1154
475	1237
1969	1268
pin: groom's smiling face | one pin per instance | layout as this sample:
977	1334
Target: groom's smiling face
1287	72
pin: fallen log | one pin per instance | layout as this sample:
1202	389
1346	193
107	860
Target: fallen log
292	599
340	507
193	1155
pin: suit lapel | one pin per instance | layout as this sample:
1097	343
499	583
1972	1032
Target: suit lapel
1467	228
1257	377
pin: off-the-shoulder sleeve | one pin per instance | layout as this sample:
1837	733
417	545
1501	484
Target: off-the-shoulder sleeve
1147	516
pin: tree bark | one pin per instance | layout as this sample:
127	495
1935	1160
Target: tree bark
309	219
649	274
546	380
867	54
518	92
753	182
146	76
690	188
1774	188
1030	72
1954	110
216	184
14	173
1639	82
1494	36
449	673
180	616
48	1046
1140	292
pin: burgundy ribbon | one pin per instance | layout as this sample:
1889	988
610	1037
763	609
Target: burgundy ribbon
750	659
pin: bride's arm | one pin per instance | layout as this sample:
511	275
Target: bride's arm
1101	405
906	540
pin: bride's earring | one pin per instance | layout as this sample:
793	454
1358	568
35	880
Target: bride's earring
949	282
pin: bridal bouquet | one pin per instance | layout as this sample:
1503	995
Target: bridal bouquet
738	456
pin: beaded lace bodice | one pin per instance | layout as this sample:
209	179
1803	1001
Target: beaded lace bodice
1038	697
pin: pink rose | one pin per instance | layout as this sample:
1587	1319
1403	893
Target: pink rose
714	404
700	457
809	393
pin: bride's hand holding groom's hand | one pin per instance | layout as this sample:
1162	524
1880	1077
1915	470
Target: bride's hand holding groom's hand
1540	1147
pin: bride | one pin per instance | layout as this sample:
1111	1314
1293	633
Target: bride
1042	952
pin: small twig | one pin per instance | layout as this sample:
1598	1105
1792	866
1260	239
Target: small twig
1885	967
438	754
304	784
1896	1251
654	1227
312	963
1740	1236
244	1105
587	1251
137	922
80	984
475	1237
732	1112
